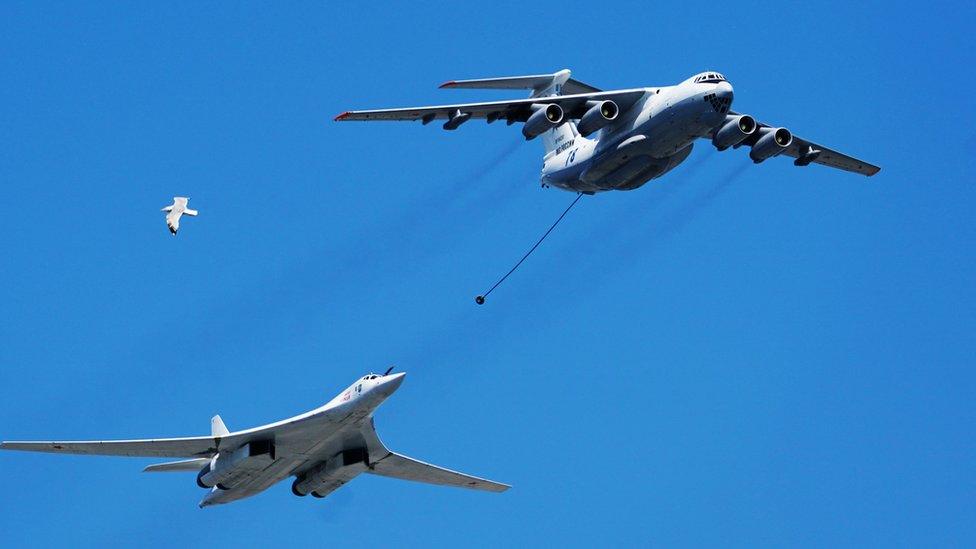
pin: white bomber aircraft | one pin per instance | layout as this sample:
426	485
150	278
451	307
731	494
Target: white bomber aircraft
323	449
599	140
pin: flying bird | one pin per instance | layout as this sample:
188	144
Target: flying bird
175	211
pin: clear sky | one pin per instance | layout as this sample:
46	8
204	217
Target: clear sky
729	355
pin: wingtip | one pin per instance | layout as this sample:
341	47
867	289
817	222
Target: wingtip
341	116
448	84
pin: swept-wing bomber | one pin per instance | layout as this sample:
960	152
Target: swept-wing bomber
598	140
323	449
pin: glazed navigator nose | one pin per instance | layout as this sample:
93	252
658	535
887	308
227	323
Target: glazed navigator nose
723	90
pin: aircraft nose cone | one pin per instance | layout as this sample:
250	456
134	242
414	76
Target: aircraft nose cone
392	382
723	90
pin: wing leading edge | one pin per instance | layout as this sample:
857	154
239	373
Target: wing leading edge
387	463
805	152
191	447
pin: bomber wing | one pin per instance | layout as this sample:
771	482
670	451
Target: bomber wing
189	447
399	466
384	462
184	447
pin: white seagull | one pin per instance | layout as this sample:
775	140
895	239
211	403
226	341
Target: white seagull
176	211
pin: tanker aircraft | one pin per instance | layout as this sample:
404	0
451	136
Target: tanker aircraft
598	140
323	449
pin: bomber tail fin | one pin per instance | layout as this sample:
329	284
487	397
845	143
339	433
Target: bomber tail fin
217	427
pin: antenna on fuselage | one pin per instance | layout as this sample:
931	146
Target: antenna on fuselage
388	370
480	300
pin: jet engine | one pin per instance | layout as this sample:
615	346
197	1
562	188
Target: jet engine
227	468
772	142
203	472
598	115
544	118
734	131
330	475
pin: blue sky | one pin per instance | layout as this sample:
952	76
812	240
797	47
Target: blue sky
729	355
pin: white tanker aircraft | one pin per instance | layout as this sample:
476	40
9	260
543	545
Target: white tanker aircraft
599	140
323	449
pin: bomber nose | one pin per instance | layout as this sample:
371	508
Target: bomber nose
391	382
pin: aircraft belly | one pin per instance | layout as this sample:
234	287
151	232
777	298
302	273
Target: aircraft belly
639	170
645	150
635	173
250	483
569	179
302	455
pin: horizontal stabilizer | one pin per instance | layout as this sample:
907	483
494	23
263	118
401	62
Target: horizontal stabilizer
193	465
538	83
398	466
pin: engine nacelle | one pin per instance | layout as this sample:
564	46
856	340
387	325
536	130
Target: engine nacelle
227	468
734	131
544	118
598	115
203	472
772	142
329	476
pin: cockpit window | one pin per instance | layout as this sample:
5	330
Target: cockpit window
709	78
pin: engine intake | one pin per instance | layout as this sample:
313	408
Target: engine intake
544	118
735	130
598	115
203	472
330	475
227	468
772	142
